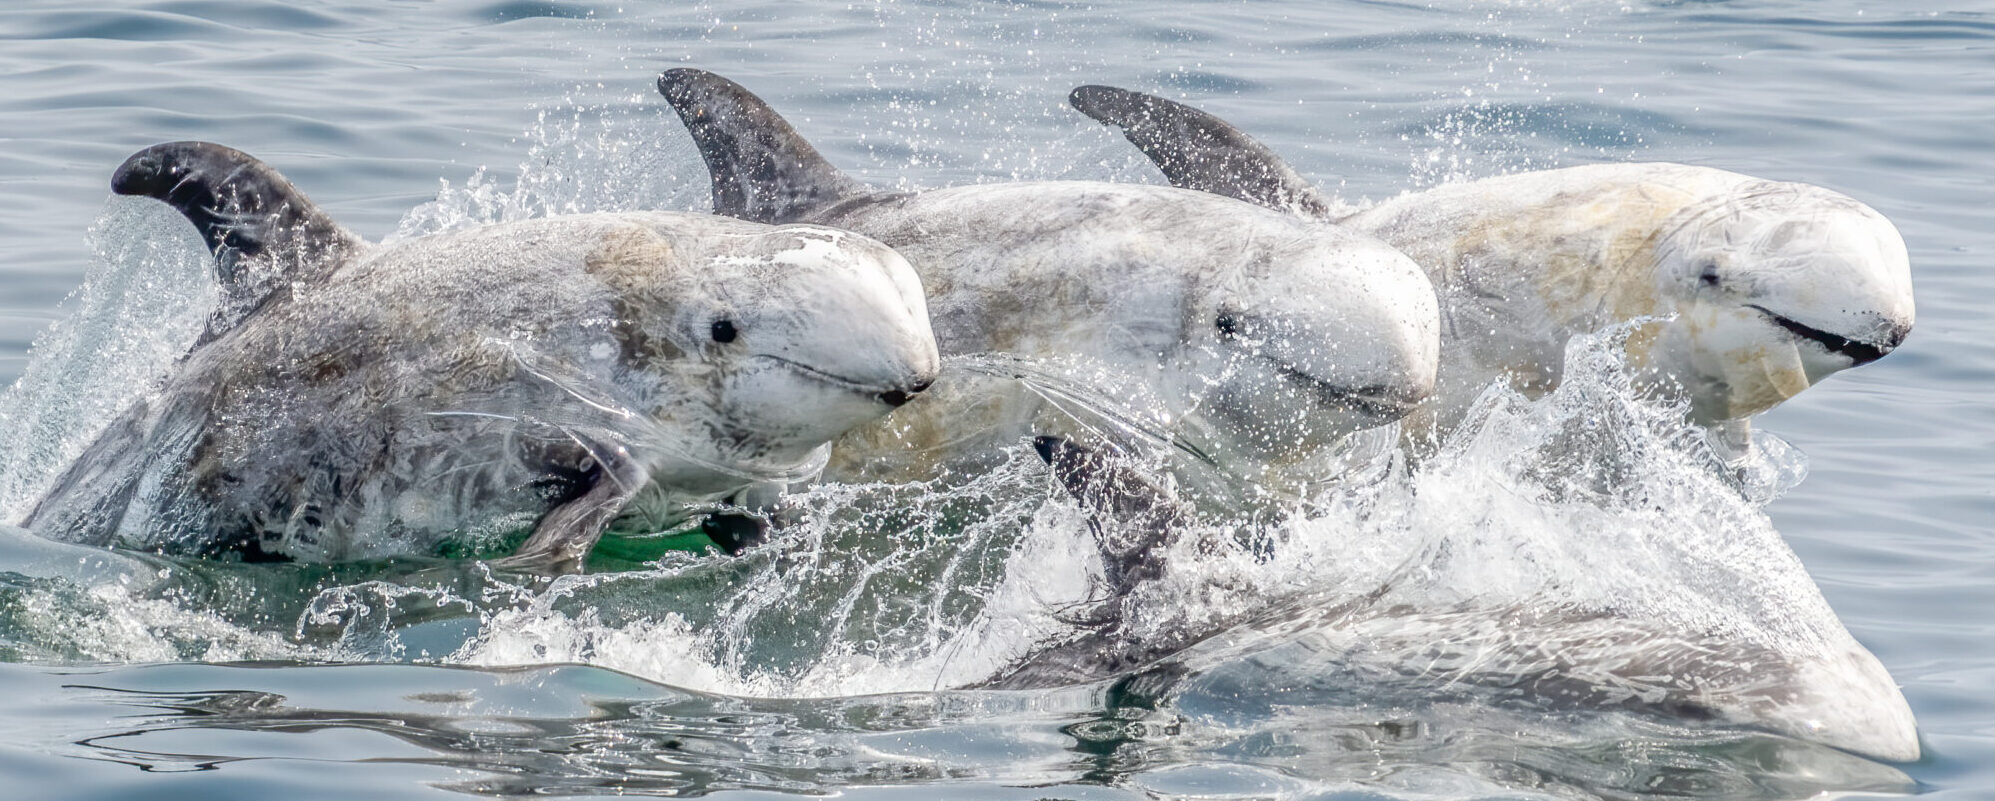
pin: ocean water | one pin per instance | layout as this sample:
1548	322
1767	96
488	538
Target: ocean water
836	661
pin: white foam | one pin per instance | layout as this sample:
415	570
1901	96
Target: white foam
1590	522
146	296
1588	533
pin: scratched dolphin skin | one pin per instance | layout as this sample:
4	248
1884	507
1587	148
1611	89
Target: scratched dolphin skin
1758	289
1256	338
457	392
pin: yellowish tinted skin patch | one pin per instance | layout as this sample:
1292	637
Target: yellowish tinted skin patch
628	256
1589	253
1758	288
1751	377
1525	262
1765	376
961	422
1642	344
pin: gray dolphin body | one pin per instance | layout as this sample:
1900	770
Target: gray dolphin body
1753	290
1822	686
451	393
1259	336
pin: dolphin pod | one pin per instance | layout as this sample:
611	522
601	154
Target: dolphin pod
450	393
1763	244
1262	338
1748	291
515	390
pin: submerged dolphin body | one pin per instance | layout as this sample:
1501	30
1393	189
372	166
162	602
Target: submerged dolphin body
1788	667
1758	289
1255	338
449	393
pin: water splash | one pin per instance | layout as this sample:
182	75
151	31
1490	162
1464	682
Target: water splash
1577	548
1561	532
143	301
1398	611
584	156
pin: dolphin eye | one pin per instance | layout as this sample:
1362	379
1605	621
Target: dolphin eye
1227	324
1708	276
723	331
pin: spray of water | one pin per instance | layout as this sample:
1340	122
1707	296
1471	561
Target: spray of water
1581	549
144	300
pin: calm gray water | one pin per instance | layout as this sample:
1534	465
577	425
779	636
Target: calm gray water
154	680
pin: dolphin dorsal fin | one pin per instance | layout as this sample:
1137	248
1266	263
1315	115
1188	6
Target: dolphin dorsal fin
762	169
1199	151
247	212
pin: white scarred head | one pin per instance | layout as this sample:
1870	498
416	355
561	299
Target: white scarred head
786	339
1775	287
1332	334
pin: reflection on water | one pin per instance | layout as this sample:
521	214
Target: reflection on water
573	730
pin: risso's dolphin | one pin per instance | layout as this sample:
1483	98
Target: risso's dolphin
456	393
1785	664
1759	289
1250	337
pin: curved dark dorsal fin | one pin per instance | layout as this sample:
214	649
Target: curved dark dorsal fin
245	210
762	169
1199	151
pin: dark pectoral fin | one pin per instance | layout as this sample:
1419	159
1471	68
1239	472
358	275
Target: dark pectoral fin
1199	151
1133	518
243	208
762	169
759	512
735	532
561	541
89	500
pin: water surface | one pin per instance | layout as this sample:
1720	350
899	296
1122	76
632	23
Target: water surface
143	678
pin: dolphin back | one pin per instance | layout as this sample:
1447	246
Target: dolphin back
762	169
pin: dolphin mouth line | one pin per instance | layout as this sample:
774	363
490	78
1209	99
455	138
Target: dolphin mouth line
1858	351
830	378
1375	401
